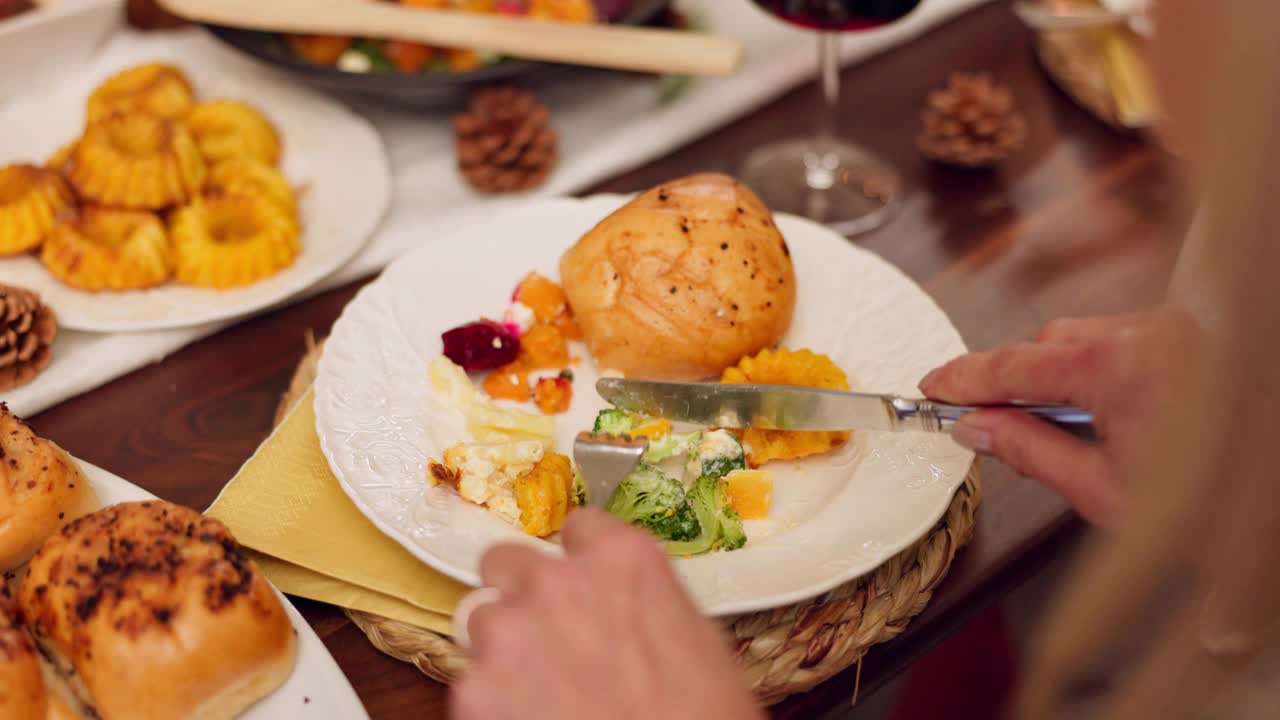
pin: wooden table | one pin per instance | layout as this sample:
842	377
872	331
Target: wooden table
1076	224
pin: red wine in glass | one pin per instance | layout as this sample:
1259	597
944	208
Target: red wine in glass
839	15
822	176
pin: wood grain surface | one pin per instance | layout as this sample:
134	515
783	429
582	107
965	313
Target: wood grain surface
1079	223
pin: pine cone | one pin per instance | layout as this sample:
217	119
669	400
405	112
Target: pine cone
27	330
504	142
972	123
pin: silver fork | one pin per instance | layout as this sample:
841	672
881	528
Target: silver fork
605	460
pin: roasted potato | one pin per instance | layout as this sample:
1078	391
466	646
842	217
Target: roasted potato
682	281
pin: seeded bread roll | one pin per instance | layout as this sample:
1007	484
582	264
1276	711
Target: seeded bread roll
22	693
156	612
41	489
682	281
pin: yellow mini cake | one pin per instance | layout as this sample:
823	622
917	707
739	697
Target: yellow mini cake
32	200
245	176
229	128
801	368
61	159
107	249
224	241
155	88
138	162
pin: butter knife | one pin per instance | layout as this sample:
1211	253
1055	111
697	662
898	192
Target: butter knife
782	407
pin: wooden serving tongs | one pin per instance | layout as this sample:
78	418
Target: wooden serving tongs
607	46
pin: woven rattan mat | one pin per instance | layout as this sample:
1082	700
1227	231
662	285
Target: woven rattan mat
783	651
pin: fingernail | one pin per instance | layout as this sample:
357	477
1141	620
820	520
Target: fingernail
972	437
462	613
928	379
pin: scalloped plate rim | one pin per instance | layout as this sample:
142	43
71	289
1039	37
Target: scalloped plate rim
925	522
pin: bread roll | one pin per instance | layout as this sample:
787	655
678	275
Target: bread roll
682	281
41	489
158	613
22	693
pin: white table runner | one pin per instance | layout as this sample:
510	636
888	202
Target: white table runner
607	124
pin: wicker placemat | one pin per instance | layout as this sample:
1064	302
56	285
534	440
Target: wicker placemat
783	651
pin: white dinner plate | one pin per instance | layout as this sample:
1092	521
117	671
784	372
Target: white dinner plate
834	517
317	689
334	157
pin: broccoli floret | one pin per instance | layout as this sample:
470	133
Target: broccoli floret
671	445
716	454
721	526
614	422
651	499
732	536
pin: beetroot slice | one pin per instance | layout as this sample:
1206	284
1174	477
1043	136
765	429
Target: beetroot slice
482	345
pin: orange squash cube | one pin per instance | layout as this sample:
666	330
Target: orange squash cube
545	298
318	49
462	59
409	57
509	382
544	495
653	428
543	348
568	326
553	395
750	493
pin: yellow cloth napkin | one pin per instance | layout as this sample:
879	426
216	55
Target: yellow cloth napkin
286	504
299	581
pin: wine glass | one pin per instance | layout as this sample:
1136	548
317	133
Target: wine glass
823	177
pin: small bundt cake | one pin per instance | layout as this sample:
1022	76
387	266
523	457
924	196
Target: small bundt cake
137	162
800	368
155	88
223	241
32	200
60	160
245	176
229	128
106	249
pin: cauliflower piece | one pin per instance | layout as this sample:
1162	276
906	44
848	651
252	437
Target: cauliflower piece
486	474
716	454
486	421
519	317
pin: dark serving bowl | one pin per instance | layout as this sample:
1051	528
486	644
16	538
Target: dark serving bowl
424	89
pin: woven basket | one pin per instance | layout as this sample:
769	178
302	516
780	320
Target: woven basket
783	651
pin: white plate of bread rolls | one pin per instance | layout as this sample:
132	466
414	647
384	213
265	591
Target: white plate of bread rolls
676	283
119	605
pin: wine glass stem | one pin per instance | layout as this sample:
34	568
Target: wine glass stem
822	163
